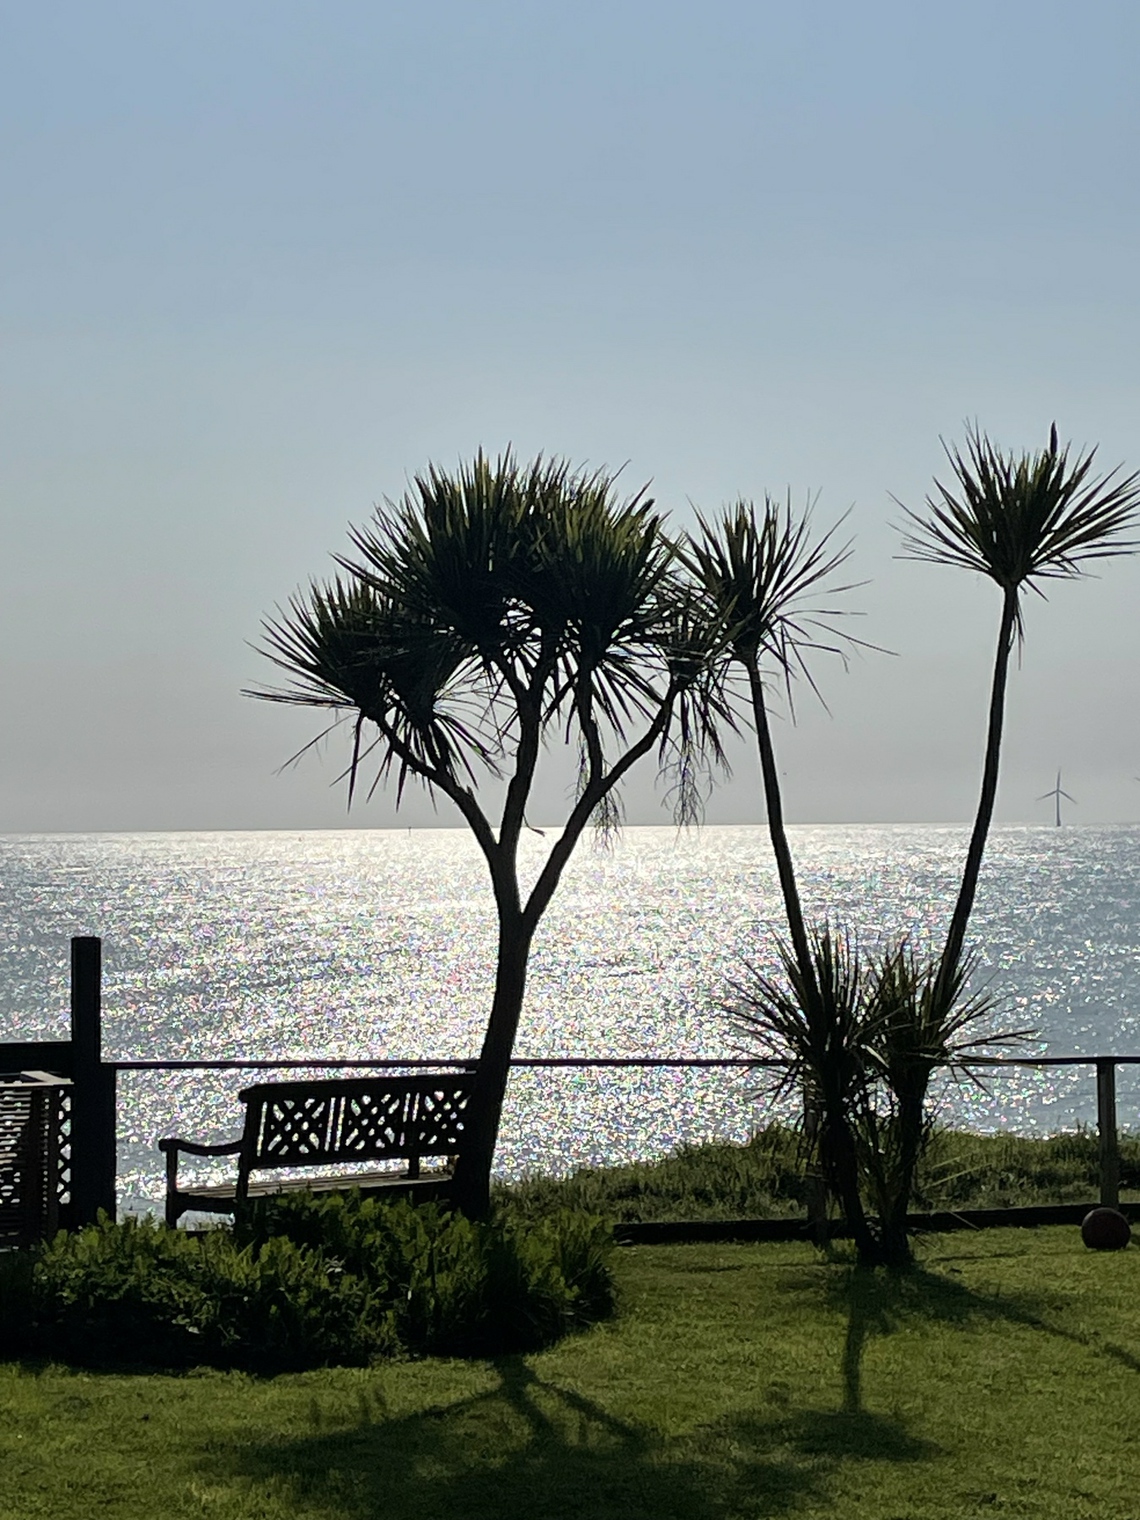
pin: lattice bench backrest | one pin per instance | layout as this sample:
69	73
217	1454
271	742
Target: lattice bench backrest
360	1119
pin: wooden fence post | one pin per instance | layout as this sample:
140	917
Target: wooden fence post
93	1148
1109	1140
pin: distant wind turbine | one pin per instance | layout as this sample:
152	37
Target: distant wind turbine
1057	793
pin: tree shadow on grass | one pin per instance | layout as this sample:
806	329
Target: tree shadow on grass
878	1302
529	1448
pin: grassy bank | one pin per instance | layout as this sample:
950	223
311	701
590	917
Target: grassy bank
738	1381
765	1178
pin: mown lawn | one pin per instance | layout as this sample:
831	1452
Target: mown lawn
1001	1378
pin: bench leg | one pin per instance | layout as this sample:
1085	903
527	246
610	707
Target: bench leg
173	1208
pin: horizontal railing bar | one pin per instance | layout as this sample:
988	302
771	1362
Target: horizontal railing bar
468	1062
325	1064
318	1063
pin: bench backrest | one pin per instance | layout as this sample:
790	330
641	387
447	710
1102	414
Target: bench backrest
356	1119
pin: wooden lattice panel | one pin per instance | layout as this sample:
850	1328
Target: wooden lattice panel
63	1153
372	1124
439	1119
373	1119
297	1129
34	1160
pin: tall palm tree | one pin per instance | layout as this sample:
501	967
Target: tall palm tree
762	570
1020	520
488	612
763	574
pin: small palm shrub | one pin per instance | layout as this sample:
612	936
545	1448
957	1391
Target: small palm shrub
305	1282
860	1038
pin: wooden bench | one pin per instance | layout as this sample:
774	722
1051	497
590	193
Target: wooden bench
331	1123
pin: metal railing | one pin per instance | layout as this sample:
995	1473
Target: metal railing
93	1111
1105	1066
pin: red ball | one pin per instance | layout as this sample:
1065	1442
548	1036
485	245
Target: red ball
1105	1230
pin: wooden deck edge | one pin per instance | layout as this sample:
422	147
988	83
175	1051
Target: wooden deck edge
678	1231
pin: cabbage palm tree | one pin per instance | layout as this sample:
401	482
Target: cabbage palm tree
1021	521
763	574
761	571
816	1028
490	612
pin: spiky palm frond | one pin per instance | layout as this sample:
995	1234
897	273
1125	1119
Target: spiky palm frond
447	551
598	573
924	1020
819	1034
503	597
1023	518
348	648
763	570
691	749
920	1025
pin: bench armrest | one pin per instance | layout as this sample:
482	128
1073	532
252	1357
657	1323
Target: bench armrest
171	1147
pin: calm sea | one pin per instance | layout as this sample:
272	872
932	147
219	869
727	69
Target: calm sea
380	943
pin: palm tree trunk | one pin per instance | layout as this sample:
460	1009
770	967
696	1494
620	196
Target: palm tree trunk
837	1144
956	936
774	807
472	1187
908	1140
838	1148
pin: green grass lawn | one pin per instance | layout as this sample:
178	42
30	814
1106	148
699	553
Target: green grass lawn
1003	1377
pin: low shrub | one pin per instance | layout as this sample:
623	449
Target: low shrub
511	1284
304	1282
137	1292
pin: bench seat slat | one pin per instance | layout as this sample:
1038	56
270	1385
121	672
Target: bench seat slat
367	1182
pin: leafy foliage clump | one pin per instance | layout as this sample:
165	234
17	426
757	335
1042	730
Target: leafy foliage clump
453	1284
305	1282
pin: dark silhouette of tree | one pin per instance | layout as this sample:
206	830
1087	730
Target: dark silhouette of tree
863	1035
1020	520
770	586
489	613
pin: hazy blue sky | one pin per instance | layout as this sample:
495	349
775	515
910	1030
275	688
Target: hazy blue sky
262	261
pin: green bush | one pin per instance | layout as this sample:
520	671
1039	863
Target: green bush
139	1293
512	1284
304	1282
